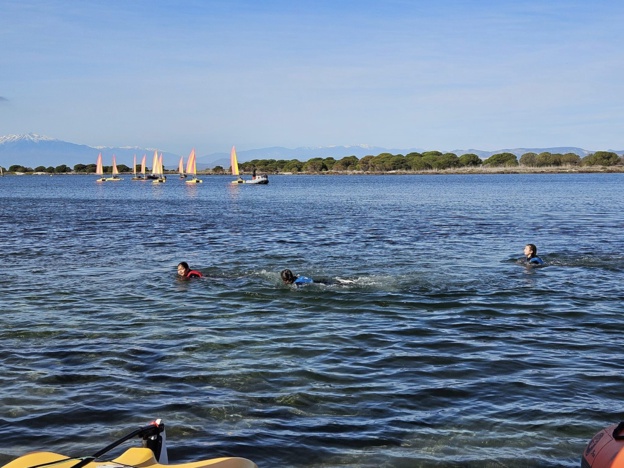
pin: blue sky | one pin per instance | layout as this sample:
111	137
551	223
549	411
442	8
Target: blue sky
445	74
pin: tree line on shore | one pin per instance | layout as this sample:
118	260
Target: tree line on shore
384	162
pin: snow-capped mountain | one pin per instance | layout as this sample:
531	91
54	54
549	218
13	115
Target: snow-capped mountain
34	150
32	137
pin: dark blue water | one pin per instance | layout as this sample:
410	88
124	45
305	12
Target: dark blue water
440	351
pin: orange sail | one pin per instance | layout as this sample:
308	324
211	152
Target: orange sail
115	171
143	166
134	166
191	164
155	164
191	168
99	169
234	162
181	166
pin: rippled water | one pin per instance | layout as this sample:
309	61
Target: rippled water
441	350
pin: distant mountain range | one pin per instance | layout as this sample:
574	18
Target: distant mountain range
33	150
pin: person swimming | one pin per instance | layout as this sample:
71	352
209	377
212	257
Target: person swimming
530	253
288	277
185	271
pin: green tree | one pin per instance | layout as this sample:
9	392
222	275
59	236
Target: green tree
469	159
269	165
348	163
385	162
293	165
18	168
80	168
528	159
434	154
40	169
601	158
218	170
329	163
61	169
570	159
416	163
315	165
446	161
399	163
501	159
431	158
365	163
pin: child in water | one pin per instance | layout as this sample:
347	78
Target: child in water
288	277
185	271
530	253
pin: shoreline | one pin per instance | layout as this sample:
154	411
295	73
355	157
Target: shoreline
469	170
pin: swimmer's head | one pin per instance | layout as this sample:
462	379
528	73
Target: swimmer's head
287	276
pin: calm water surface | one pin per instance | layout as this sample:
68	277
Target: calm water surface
441	350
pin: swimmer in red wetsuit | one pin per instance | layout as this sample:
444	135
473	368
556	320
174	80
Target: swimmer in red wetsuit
185	271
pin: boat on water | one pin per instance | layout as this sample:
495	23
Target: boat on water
181	168
115	177
605	449
99	169
134	171
191	169
261	179
158	176
152	454
136	176
153	175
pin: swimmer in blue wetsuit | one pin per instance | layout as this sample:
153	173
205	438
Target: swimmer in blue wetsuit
530	252
289	278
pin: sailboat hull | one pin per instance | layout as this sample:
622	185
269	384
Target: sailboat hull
259	180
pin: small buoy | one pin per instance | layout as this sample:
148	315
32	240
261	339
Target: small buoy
606	449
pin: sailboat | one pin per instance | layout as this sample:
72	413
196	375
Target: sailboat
262	179
115	177
154	174
191	168
157	175
134	170
159	169
142	176
99	169
143	168
181	168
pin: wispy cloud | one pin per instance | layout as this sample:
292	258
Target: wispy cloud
3	99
